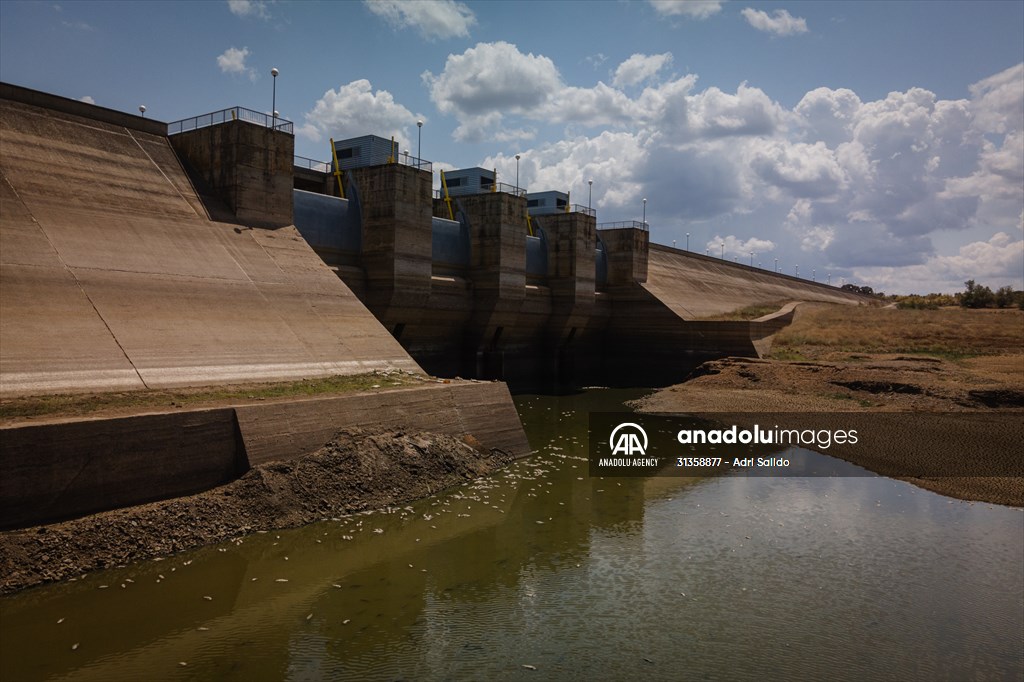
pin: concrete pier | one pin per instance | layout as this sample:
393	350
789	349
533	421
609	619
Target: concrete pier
396	237
247	166
498	272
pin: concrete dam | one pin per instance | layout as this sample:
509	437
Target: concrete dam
136	254
476	286
135	258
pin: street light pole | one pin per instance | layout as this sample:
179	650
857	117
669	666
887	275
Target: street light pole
687	241
590	195
273	106
796	270
645	211
776	265
751	259
723	249
419	141
517	174
142	110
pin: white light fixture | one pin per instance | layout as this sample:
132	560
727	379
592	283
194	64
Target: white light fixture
273	105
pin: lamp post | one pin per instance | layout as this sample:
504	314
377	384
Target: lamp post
142	110
645	212
590	195
776	265
673	243
707	251
273	106
723	249
517	174
406	152
814	275
687	241
796	270
829	279
751	259
419	140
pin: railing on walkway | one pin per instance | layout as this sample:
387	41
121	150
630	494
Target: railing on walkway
312	164
635	224
577	208
502	187
228	115
421	164
511	189
327	166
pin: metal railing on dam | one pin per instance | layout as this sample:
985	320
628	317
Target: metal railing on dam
585	210
328	167
634	224
231	114
415	162
311	164
502	187
563	208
